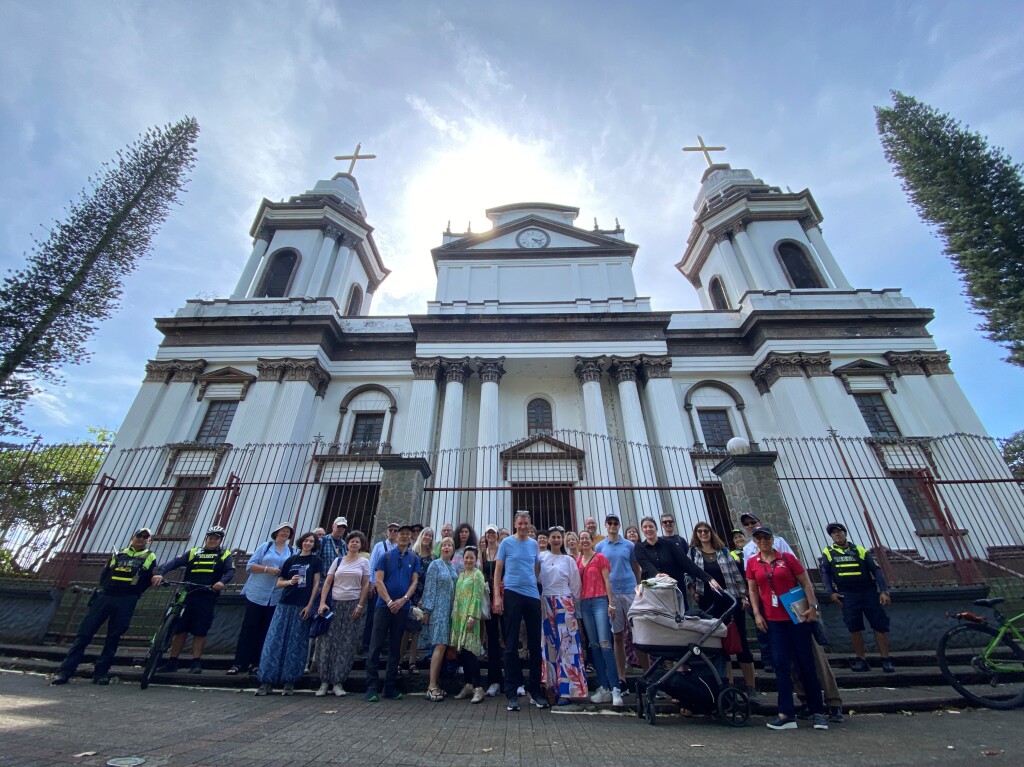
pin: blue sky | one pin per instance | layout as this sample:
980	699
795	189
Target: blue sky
472	105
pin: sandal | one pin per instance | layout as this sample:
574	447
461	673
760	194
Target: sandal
233	671
414	670
435	694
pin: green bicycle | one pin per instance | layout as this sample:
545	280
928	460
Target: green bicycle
162	636
984	663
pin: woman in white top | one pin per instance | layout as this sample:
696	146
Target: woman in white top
563	671
347	587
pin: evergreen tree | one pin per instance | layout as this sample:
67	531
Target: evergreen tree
974	195
73	279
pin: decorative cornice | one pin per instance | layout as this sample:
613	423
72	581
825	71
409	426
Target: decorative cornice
456	370
809	222
792	365
332	232
623	369
919	362
490	370
588	369
655	367
173	371
290	369
425	368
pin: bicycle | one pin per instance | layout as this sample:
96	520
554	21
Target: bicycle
983	663
161	641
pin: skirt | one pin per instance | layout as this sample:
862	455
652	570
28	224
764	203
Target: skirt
563	671
286	647
336	650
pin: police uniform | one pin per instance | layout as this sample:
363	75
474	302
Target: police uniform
206	567
122	582
853	573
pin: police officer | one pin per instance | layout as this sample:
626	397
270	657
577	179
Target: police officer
855	581
127	574
209	565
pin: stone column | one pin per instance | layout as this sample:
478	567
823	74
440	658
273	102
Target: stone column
252	266
596	503
489	503
419	428
751	485
623	372
825	256
337	285
447	505
314	279
731	257
758	270
783	376
401	493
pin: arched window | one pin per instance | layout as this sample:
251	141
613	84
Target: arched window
538	417
719	301
799	267
278	276
355	301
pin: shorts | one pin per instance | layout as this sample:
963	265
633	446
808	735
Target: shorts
198	615
622	604
860	604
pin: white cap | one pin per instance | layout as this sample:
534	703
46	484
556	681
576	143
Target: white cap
341	521
489	528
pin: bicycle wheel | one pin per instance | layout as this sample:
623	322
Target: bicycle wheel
991	678
161	641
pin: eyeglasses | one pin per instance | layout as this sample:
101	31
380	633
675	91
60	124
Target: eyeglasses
703	531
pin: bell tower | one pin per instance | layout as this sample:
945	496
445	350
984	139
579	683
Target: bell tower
748	236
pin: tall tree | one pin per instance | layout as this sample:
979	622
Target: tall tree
73	279
974	194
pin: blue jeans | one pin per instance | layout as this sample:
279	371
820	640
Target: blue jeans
594	613
791	648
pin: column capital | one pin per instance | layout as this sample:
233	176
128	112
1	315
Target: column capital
456	370
919	362
737	227
332	231
176	371
291	369
790	365
655	367
623	369
809	222
265	233
490	369
588	369
425	368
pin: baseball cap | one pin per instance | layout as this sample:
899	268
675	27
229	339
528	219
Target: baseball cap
833	526
341	522
611	516
489	528
143	532
748	515
762	530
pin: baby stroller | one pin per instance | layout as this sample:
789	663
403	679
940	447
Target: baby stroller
693	643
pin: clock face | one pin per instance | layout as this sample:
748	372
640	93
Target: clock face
533	238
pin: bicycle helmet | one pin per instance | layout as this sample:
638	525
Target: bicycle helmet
216	530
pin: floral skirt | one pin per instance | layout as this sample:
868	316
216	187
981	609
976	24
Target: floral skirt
563	671
336	650
286	647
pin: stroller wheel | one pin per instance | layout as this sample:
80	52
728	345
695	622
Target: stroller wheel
649	711
733	707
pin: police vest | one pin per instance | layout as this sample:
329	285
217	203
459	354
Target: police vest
204	566
737	554
848	565
125	568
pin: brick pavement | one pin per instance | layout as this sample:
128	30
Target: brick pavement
42	725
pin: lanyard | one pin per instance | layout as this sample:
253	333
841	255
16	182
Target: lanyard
770	573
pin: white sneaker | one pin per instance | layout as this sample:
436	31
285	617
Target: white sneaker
478	695
339	690
521	691
601	696
493	690
322	691
617	697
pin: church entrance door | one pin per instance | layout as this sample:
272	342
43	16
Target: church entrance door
357	503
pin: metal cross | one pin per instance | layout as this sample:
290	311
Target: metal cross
355	156
702	148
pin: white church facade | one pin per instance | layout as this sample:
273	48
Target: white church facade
537	370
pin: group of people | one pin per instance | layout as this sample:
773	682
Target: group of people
560	598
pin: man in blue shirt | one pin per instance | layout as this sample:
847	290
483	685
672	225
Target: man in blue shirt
624	575
380	548
395	581
517	597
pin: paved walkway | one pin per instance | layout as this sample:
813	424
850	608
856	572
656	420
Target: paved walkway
43	725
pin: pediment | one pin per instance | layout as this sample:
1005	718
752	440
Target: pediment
866	376
542	458
229	381
863	368
541	447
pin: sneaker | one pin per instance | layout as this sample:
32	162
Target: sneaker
371	696
540	701
289	689
781	723
169	666
196	667
521	691
819	722
102	680
339	691
835	714
617	697
322	691
513	703
263	689
493	690
465	692
624	687
804	713
860	665
59	680
887	666
478	695
602	695
233	671
394	695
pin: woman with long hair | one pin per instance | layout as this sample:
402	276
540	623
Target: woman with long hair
470	593
423	547
711	555
492	625
347	587
465	536
564	672
594	570
438	596
283	659
632	534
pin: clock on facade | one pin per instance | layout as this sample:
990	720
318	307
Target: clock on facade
533	238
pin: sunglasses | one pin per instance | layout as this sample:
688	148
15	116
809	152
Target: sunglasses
612	524
667	523
703	531
558	529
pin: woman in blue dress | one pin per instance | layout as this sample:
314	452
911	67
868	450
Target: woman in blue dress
438	595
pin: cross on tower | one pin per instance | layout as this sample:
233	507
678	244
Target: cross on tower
703	149
355	156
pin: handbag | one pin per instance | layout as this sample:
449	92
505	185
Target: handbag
732	644
321	624
485	607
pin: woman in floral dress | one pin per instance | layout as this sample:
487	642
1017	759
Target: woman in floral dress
470	592
438	595
563	670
